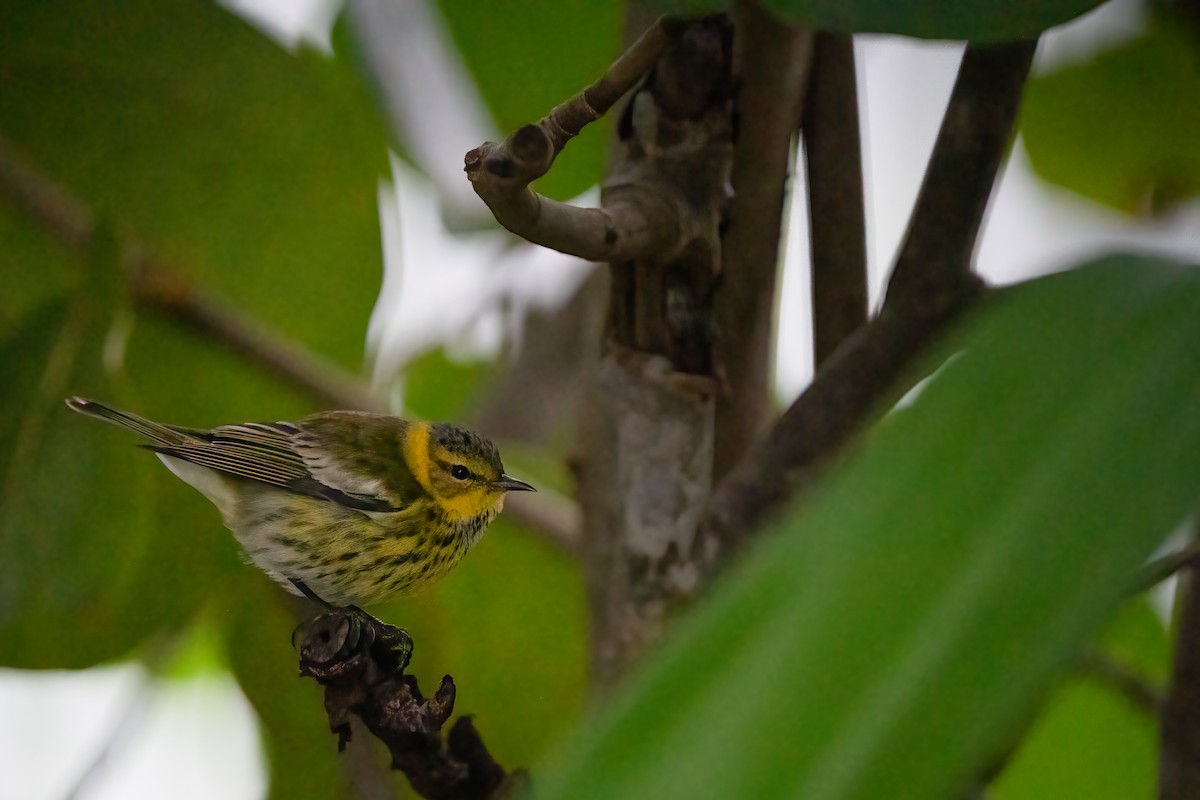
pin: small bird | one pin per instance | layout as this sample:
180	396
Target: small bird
345	507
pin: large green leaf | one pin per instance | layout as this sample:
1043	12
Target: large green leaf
889	639
1091	741
254	169
979	21
1122	128
72	544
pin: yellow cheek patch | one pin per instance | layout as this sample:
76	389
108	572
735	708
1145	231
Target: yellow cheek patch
416	453
470	503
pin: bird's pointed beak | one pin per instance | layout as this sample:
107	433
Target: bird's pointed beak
507	484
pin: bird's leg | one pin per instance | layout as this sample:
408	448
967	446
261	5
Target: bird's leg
344	630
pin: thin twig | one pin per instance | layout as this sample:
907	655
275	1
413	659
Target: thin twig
930	287
636	221
833	153
771	61
1164	567
1126	682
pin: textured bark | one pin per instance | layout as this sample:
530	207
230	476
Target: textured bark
645	460
348	654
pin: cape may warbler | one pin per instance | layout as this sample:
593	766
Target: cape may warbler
355	507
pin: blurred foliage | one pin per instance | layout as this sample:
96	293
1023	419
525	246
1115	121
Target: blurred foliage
254	171
1090	741
980	21
898	628
1121	128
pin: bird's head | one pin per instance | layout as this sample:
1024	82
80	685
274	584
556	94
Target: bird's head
465	474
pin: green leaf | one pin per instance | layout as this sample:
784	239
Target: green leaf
73	543
252	169
1121	128
302	754
979	21
527	56
890	637
1090	741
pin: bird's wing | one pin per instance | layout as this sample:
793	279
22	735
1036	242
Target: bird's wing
256	451
359	454
267	453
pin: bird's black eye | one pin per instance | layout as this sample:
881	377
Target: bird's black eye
460	472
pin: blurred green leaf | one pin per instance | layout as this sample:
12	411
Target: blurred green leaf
1090	741
980	21
437	388
73	543
530	55
1122	128
898	630
254	169
33	270
302	754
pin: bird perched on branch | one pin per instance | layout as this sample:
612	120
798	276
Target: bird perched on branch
345	507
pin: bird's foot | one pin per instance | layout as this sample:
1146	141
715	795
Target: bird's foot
340	633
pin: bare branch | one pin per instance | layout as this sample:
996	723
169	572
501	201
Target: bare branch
771	61
833	152
641	215
934	267
931	285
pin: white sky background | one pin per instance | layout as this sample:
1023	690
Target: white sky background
55	724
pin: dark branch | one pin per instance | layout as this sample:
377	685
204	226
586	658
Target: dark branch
362	680
1179	765
771	63
931	285
933	269
833	153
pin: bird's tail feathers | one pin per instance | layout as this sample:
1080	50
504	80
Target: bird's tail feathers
160	434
